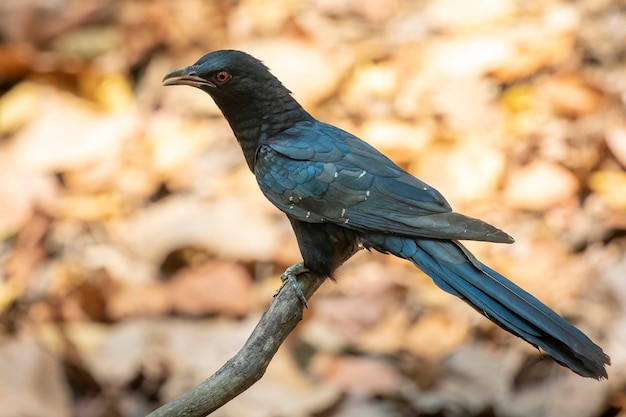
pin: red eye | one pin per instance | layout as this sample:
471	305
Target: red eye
222	77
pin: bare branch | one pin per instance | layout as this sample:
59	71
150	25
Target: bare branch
250	363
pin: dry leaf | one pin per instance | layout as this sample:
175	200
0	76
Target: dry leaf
540	186
610	185
214	288
32	381
363	375
570	95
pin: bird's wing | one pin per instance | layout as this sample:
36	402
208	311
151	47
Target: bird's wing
315	172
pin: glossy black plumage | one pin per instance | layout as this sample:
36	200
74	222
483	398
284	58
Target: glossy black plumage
341	194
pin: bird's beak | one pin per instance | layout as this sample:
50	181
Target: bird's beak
186	76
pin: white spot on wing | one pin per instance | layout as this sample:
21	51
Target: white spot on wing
336	174
361	174
343	212
308	214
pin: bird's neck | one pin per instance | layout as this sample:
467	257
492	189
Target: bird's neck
257	121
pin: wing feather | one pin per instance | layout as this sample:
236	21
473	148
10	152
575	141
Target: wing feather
339	178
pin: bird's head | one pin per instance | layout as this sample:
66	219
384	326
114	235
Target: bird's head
227	75
253	101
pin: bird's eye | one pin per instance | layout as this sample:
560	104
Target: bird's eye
222	76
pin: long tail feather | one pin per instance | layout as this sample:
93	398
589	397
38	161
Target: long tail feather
455	270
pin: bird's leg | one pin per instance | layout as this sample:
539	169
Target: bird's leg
290	275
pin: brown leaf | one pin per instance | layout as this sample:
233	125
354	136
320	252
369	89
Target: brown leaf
387	336
369	292
457	14
69	133
214	288
139	300
307	71
570	95
15	62
616	141
435	335
610	185
464	172
540	185
22	192
223	226
32	381
363	375
21	264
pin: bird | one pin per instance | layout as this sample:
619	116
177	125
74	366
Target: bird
342	195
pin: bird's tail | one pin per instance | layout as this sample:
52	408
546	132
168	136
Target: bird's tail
456	271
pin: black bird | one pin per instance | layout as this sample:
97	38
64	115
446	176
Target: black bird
341	194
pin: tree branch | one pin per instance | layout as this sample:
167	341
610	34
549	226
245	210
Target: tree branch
250	363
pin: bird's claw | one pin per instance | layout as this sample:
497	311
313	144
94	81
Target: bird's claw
290	275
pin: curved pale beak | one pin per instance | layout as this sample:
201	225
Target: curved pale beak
186	76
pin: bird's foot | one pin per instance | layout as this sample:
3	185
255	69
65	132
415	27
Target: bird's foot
290	275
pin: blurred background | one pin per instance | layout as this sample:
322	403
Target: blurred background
137	252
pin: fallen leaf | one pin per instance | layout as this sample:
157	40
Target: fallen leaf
610	186
616	141
569	95
435	335
311	74
137	300
225	226
400	141
459	14
70	133
465	172
540	185
387	336
215	288
22	193
363	375
32	381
